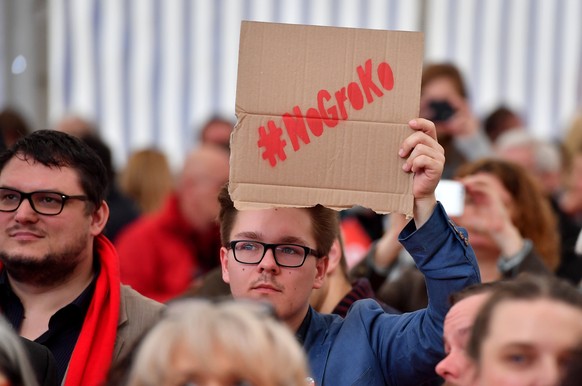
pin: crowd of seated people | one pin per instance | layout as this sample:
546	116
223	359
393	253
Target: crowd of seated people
144	276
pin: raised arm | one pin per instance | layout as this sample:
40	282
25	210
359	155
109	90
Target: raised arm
426	159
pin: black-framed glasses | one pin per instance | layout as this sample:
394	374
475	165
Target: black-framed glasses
286	255
43	202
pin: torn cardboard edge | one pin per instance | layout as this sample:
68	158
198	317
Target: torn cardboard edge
267	197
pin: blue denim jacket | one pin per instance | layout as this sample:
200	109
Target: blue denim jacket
371	347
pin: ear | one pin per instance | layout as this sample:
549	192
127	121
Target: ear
335	255
321	266
99	218
224	264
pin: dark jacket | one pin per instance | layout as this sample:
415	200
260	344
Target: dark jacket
42	361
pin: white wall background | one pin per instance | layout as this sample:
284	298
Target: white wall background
149	72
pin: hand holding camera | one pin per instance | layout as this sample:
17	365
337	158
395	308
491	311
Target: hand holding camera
452	115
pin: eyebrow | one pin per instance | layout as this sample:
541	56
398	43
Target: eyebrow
247	235
258	236
518	345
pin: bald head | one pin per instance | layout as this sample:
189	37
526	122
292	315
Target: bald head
217	132
205	171
76	126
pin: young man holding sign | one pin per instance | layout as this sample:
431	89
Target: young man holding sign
279	255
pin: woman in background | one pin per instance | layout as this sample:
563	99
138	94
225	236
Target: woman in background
147	179
511	227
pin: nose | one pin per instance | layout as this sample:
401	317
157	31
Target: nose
268	262
448	369
25	213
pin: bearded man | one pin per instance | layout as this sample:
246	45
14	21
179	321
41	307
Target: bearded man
59	276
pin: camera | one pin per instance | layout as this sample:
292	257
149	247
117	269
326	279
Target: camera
441	110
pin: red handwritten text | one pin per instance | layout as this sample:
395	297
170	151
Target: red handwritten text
331	108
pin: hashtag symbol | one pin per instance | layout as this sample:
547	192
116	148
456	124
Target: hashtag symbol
272	142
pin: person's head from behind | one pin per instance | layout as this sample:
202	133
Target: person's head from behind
15	368
528	207
147	178
219	344
465	306
13	126
525	333
543	159
216	131
76	125
278	254
500	121
52	189
205	171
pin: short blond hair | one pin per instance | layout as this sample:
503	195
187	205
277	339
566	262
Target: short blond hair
262	349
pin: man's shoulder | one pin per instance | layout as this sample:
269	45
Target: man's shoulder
365	306
135	303
137	315
361	312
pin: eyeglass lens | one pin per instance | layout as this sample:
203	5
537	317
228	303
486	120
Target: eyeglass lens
251	252
42	202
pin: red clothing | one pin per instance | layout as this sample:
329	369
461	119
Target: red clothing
93	352
161	254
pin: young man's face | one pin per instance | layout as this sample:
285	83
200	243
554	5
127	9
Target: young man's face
288	289
529	343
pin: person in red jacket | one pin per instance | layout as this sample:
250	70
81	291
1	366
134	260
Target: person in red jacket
161	254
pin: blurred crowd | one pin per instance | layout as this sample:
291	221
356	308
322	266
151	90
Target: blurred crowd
148	288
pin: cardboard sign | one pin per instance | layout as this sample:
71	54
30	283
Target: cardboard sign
322	112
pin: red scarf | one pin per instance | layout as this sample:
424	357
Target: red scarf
93	352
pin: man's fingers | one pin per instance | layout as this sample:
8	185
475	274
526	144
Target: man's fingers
423	125
423	162
424	151
416	139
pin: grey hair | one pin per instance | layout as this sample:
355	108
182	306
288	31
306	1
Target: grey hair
547	155
14	363
262	349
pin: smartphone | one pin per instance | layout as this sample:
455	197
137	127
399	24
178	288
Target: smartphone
441	110
451	194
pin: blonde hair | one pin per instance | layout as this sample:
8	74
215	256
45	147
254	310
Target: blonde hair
147	179
573	138
261	349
